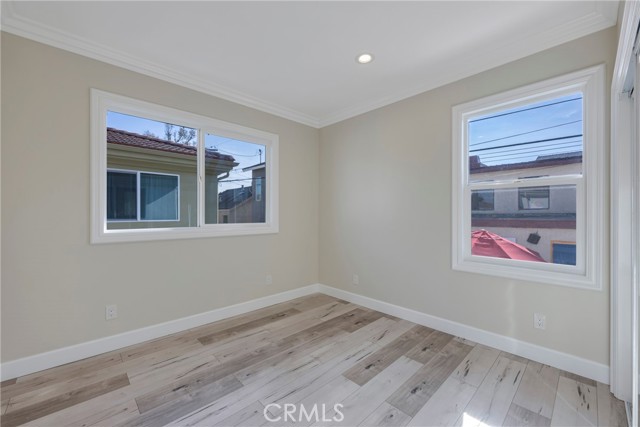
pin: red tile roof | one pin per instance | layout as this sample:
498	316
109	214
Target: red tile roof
121	137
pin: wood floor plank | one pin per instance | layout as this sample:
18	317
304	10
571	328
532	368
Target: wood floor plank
35	411
279	376
280	330
386	415
381	359
185	386
335	358
519	416
109	416
244	327
514	357
332	339
475	367
413	394
611	411
312	301
184	403
429	346
579	378
537	391
446	405
575	405
316	378
306	340
250	416
59	374
359	405
7	383
491	403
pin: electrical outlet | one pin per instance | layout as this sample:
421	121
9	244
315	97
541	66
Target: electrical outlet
111	312
539	321
268	280
356	279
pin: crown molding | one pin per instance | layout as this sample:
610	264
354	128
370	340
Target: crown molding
24	27
603	16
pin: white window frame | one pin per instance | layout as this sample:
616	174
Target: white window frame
103	102
137	173
587	273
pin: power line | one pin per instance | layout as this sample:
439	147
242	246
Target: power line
526	143
524	109
531	149
524	133
508	157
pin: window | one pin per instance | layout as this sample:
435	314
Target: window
528	162
533	198
563	253
142	196
161	173
482	200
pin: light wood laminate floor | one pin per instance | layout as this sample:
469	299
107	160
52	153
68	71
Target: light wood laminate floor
314	350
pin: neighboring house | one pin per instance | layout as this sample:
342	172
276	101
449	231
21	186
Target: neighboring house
245	204
540	218
151	182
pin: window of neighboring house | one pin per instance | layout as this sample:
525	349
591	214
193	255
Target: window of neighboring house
482	200
563	253
513	153
142	196
161	173
533	198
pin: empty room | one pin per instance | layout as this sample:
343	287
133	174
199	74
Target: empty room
319	213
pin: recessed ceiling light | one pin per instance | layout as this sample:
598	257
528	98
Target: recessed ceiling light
364	58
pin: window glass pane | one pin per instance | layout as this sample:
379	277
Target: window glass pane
158	197
533	198
235	181
482	200
164	156
509	231
538	139
121	196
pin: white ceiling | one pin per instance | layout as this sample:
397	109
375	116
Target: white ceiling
297	59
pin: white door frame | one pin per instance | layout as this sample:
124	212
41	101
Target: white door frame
625	192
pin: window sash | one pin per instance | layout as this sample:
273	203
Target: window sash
588	271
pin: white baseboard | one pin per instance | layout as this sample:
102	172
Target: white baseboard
50	359
568	362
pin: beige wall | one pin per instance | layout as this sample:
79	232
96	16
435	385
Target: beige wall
54	283
378	188
385	197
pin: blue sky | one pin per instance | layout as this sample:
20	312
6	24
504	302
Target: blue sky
540	129
244	153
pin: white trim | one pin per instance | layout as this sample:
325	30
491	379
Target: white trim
587	274
623	186
568	362
50	359
602	17
102	102
24	27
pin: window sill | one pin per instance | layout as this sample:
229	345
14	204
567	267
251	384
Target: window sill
561	275
154	234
